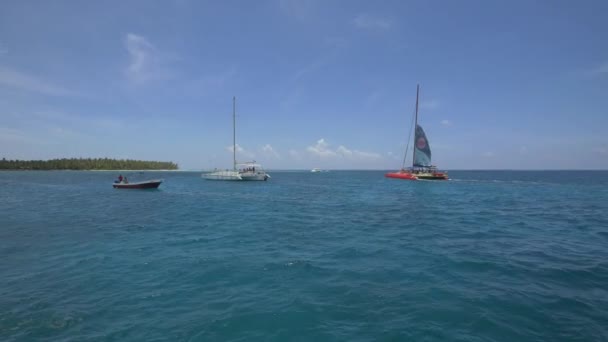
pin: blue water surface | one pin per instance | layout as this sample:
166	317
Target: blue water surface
335	256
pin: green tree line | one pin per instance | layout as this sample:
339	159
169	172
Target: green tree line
85	164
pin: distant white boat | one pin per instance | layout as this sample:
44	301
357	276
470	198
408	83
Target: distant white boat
317	170
250	171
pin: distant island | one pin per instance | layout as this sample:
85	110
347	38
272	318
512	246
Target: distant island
85	164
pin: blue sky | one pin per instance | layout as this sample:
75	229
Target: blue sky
331	84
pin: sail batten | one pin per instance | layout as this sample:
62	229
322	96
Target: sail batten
422	155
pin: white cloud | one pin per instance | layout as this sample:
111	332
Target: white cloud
19	80
357	155
240	151
393	156
321	149
343	151
488	154
268	150
446	122
371	22
146	63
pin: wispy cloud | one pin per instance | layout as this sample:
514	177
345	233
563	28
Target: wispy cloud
53	126
446	122
601	150
240	151
335	42
598	71
322	150
601	70
217	80
23	81
372	22
307	69
488	154
334	47
292	100
356	154
62	118
269	151
12	135
430	104
145	61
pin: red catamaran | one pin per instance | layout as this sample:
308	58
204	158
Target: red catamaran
421	162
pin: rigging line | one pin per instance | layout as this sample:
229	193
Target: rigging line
408	143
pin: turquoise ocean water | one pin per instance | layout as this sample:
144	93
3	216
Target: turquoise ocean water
336	256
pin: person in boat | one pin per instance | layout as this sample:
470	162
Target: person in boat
119	178
125	180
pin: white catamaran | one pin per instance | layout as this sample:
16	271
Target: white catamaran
250	171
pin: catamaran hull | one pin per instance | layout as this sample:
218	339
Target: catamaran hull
254	177
236	176
153	184
421	169
223	176
433	177
417	176
401	175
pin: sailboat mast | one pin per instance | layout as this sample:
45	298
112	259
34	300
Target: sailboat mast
416	124
234	133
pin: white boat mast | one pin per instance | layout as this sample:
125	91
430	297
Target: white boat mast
234	133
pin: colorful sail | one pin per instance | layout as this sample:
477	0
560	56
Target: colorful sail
422	155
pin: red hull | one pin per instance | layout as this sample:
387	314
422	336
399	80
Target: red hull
416	176
401	175
139	185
